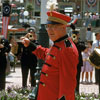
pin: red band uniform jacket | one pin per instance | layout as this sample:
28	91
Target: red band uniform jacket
58	74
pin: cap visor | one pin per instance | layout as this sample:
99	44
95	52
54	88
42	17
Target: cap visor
52	22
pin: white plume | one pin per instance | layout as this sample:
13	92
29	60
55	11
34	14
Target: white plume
52	5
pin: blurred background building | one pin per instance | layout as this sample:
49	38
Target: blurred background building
70	7
29	11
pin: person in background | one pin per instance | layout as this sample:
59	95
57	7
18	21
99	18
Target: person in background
80	47
16	18
14	45
83	72
4	50
96	44
33	21
58	74
87	19
87	66
13	53
88	33
28	60
21	15
89	43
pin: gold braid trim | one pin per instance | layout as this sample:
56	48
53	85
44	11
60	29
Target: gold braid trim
96	51
57	20
97	67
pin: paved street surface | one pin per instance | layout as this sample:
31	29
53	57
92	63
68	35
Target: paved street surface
89	88
15	79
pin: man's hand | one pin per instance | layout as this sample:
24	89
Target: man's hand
25	41
1	46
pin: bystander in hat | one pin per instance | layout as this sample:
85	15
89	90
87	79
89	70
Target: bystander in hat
31	33
76	31
31	29
75	34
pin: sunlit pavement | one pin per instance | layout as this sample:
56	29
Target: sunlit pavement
15	79
89	88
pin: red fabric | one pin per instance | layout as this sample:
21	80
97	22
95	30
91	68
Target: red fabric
17	30
73	22
59	15
5	22
61	79
41	52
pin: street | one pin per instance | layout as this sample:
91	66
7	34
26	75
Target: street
15	79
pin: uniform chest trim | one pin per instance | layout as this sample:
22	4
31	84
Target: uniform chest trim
52	56
62	98
57	47
67	43
47	64
42	83
44	74
62	38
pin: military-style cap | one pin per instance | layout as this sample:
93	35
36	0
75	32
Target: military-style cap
76	31
58	18
31	29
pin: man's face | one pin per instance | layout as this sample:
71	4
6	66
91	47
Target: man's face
98	36
56	31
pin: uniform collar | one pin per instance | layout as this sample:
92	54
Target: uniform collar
62	38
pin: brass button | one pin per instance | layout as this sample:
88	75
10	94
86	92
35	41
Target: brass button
59	48
43	84
54	57
66	40
46	75
47	53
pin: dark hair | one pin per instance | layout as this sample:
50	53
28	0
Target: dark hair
89	41
88	29
97	33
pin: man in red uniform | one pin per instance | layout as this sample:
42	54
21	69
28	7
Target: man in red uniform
58	74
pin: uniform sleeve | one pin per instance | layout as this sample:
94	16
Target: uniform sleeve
67	72
40	52
32	46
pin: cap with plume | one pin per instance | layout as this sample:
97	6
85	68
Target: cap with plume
52	5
